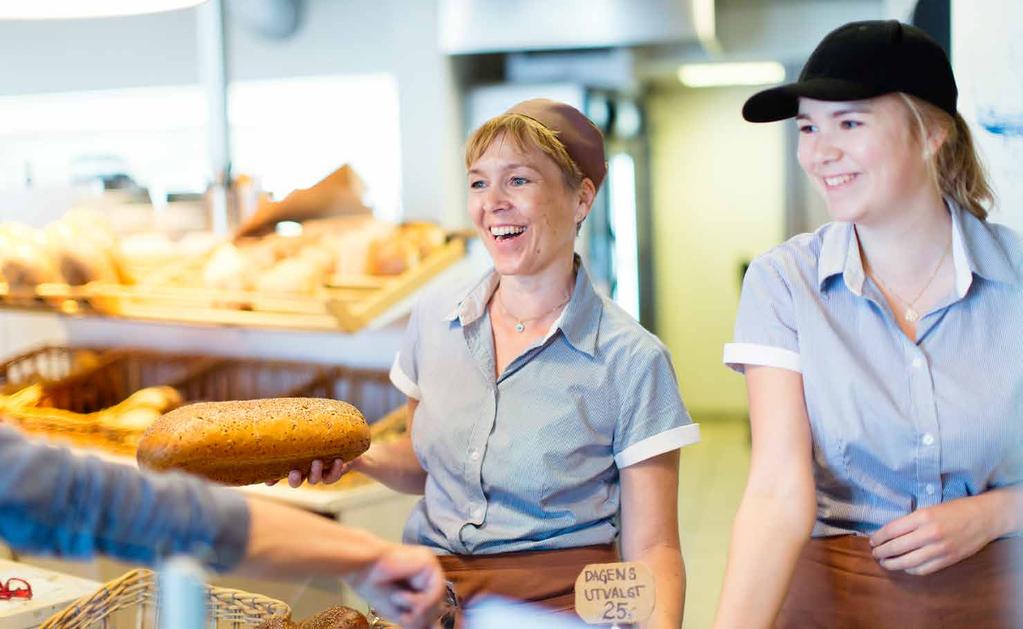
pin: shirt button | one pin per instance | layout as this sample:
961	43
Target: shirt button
928	439
918	362
474	455
929	489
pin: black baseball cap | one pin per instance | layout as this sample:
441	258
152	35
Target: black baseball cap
863	60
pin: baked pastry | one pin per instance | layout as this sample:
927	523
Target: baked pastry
392	255
278	622
25	261
338	617
427	237
80	259
292	276
242	443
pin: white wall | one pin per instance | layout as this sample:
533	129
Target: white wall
899	9
717	198
786	31
987	53
336	37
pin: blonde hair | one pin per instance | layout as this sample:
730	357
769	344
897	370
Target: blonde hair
527	133
956	168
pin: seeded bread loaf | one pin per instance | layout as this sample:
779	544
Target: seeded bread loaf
336	618
241	443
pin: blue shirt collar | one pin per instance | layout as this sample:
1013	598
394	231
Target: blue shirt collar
975	251
579	322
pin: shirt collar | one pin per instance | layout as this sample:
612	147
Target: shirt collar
579	321
974	251
840	253
977	251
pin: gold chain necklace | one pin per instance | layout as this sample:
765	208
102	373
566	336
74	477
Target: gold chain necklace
520	324
911	314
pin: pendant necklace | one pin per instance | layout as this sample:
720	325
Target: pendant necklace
520	324
911	314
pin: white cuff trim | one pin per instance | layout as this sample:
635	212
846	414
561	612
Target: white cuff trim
738	355
660	443
402	381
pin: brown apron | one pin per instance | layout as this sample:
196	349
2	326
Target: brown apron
545	577
839	585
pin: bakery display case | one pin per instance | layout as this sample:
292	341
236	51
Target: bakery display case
315	260
103	400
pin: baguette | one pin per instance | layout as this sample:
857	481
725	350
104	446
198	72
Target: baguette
242	443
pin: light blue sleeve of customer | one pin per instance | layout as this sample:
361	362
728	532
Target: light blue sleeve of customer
653	419
765	326
54	502
404	372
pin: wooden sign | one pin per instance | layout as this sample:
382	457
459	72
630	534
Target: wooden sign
614	593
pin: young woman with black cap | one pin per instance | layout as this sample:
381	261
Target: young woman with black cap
882	356
546	421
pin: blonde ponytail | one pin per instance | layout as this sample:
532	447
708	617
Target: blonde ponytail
956	168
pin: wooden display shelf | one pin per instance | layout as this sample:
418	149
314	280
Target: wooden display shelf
348	307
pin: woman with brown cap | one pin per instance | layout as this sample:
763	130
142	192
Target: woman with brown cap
540	409
882	360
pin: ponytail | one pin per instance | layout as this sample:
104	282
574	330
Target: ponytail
956	168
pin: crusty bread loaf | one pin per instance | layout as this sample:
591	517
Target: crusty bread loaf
336	618
332	618
241	443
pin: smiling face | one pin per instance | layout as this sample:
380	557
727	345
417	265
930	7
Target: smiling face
522	207
862	156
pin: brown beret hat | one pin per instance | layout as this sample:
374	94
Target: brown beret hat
582	138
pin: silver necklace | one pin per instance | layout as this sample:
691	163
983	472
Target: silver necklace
911	314
520	324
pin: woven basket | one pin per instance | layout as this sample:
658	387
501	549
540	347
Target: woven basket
369	390
48	364
136	592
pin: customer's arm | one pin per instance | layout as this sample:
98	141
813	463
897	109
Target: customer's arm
393	463
54	502
650	532
403	583
778	508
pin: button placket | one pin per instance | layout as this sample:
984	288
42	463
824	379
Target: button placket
476	507
924	411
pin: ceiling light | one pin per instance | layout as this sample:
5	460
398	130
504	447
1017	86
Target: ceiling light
64	9
719	74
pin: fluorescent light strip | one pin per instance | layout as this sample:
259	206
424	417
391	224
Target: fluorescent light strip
66	9
622	188
720	74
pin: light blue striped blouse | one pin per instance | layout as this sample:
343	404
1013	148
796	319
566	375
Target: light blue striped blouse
896	425
530	460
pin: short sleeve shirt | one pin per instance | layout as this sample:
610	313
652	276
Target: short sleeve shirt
530	460
897	424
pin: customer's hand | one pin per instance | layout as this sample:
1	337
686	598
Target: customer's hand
933	538
405	585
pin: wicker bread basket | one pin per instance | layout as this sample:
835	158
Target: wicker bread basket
136	593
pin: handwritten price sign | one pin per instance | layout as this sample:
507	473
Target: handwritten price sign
613	593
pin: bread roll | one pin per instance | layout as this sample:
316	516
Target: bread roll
427	237
292	276
333	618
392	255
336	618
80	259
241	443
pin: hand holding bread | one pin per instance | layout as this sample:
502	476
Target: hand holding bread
241	443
